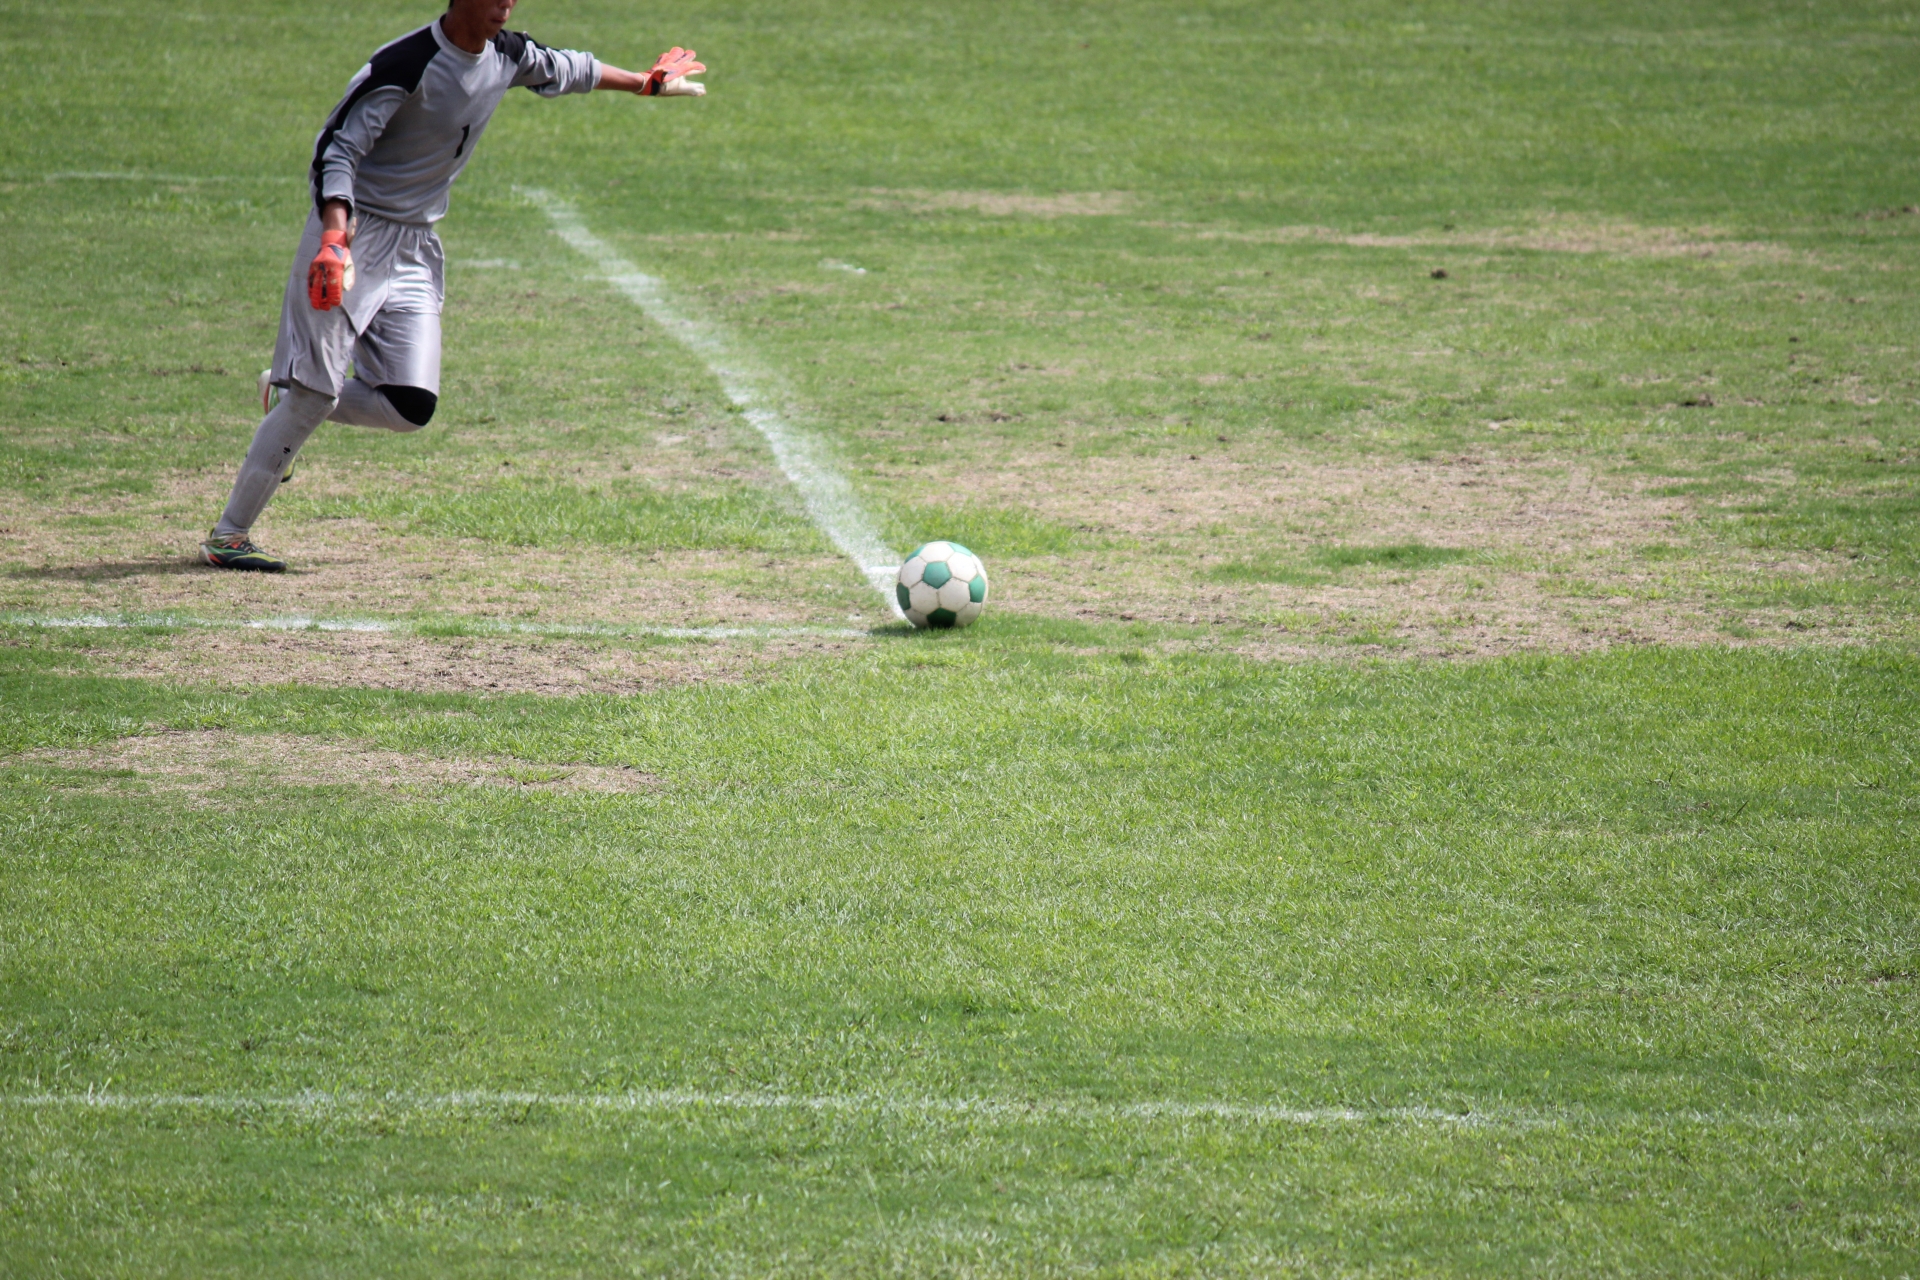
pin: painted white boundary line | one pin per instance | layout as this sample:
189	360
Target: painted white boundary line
829	498
350	1104
467	627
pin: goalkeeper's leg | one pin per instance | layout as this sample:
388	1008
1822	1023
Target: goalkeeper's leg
396	365
388	408
275	442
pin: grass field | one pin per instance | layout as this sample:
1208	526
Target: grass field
1434	793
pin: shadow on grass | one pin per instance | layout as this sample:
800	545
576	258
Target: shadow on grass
1005	629
1327	563
110	570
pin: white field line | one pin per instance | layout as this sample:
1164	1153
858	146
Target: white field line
805	459
466	627
351	1104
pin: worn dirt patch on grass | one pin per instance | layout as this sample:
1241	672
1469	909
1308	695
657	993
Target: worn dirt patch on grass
1509	555
1449	612
1552	233
455	664
1232	502
201	762
354	568
1544	554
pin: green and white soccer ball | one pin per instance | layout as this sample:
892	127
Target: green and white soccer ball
942	585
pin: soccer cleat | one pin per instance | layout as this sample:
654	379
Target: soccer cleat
236	551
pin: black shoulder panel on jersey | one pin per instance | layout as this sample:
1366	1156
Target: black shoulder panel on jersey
400	64
513	44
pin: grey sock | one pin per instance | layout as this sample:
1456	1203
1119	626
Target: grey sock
362	406
278	439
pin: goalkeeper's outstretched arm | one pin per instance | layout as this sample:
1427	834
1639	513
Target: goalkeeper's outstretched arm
395	73
472	23
667	78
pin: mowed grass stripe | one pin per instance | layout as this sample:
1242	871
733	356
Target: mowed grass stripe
1574	955
367	1105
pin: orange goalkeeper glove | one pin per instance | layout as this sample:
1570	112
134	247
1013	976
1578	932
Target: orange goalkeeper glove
331	274
668	78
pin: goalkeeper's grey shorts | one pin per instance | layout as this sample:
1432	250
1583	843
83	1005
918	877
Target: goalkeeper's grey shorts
388	328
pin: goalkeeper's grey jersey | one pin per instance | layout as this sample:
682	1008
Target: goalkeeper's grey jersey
412	116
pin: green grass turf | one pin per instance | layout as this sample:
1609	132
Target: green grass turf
1653	913
1649	916
1770	382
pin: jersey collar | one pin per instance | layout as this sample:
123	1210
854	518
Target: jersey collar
453	50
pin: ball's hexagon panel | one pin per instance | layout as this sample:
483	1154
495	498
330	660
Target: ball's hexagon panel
935	551
967	613
963	565
910	571
924	598
953	595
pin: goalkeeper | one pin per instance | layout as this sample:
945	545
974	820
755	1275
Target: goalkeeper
369	276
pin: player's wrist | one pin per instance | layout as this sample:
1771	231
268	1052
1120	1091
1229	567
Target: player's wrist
336	214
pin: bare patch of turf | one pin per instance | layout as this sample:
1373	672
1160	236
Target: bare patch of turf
429	664
205	763
1550	233
358	567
